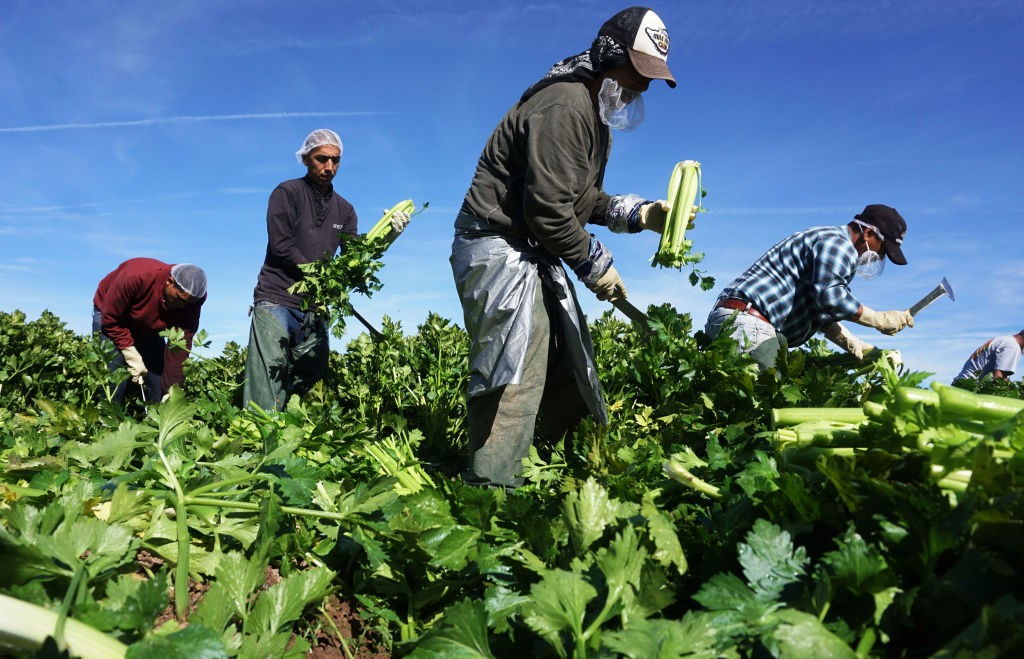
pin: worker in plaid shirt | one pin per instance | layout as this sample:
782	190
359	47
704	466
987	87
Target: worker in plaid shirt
802	286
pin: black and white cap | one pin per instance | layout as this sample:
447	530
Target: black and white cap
645	38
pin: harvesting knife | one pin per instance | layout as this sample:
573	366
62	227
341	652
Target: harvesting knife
635	315
375	333
942	289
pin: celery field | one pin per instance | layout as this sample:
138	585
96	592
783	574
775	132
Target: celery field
839	510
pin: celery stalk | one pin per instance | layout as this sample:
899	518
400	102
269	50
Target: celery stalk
960	403
791	416
683	193
383	227
24	627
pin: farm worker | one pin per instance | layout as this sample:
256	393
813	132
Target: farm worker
306	221
998	356
538	183
802	286
137	301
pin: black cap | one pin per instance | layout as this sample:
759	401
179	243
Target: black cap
892	227
642	33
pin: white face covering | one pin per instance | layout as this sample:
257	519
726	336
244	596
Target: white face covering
870	264
619	108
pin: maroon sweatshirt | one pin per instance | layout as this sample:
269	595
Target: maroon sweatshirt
131	301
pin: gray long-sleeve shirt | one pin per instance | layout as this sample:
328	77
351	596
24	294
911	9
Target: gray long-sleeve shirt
542	170
297	233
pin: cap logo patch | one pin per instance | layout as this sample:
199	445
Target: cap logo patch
659	37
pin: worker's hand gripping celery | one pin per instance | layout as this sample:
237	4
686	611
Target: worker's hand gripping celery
684	192
394	221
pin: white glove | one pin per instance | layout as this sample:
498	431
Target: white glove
654	214
842	337
609	286
400	220
136	367
886	322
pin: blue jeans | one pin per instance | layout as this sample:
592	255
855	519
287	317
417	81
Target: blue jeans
151	348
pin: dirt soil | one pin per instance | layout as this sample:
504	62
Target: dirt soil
344	617
342	625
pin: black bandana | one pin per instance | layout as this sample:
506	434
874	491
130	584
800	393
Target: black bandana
604	54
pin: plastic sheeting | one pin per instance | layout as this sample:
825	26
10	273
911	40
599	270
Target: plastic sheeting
496	276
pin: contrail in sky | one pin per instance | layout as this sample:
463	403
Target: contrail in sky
186	119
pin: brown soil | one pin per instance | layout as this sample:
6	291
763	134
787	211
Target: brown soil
361	642
342	619
148	560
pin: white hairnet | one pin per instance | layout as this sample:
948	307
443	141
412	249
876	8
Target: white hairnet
191	278
318	138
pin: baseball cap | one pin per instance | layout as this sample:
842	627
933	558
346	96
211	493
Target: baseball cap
644	35
892	227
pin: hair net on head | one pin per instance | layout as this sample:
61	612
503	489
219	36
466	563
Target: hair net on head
318	138
191	278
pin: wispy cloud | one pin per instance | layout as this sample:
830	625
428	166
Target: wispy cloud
189	119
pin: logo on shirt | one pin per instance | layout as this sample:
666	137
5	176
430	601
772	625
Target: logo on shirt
338	226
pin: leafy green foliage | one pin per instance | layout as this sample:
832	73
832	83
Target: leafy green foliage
327	285
351	490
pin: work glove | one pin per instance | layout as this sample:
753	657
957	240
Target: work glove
609	286
886	322
654	215
399	220
136	367
842	337
894	357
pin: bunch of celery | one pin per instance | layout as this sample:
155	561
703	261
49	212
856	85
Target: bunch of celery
947	425
684	192
383	230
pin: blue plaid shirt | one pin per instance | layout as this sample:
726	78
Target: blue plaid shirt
802	284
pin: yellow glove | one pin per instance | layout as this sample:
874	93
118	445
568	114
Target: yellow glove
842	337
136	367
609	286
886	322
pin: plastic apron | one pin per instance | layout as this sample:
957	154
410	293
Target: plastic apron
496	276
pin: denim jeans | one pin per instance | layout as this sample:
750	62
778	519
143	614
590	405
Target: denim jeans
151	348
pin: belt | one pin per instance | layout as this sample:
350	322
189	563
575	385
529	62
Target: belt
741	305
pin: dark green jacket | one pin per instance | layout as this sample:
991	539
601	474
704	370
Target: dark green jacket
542	171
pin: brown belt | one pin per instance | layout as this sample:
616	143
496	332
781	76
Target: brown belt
741	305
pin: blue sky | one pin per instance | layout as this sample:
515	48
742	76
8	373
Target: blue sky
159	129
